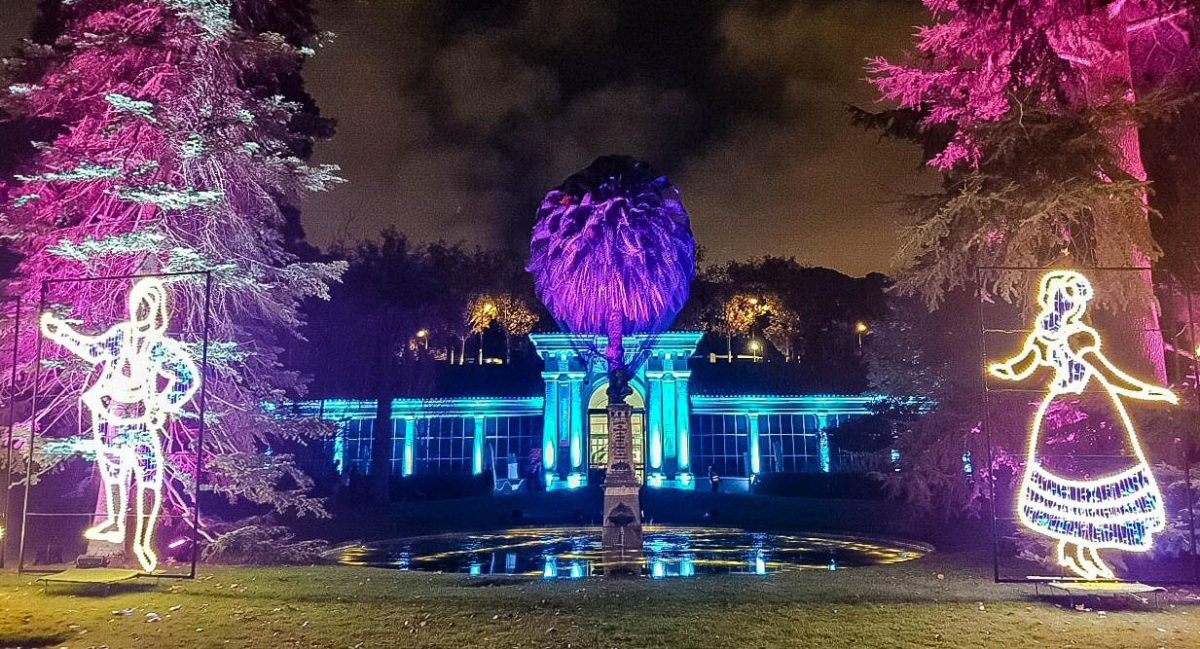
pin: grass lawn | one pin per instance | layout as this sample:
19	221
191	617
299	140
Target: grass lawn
903	605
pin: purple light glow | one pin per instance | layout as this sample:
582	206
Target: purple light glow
613	253
174	149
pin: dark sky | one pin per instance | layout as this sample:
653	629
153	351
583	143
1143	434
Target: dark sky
456	116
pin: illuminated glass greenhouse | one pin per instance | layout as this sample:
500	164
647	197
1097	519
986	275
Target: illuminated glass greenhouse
685	433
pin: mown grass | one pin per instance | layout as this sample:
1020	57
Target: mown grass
903	605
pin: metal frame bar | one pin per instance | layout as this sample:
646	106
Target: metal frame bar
1187	458
987	429
5	496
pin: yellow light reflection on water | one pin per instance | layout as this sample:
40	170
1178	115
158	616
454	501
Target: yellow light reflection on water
573	552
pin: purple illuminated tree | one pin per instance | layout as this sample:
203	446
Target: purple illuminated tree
613	255
985	66
179	132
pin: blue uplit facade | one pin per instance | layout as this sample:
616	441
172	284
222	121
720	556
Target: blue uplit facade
679	436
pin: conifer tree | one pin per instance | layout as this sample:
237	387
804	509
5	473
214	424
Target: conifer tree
985	70
178	132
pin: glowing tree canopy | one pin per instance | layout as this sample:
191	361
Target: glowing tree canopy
144	378
177	131
1123	510
981	59
613	254
981	63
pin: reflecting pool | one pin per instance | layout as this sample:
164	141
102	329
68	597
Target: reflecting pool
574	552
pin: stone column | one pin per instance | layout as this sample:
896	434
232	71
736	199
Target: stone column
622	535
550	427
755	452
477	445
670	422
578	453
410	441
562	394
656	423
683	425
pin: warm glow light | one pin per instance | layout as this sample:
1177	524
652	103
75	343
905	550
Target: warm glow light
861	327
144	379
754	345
1119	511
422	333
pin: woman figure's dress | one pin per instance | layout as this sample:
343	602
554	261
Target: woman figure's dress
1121	510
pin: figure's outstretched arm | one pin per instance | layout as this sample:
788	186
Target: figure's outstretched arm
1019	367
1121	382
57	329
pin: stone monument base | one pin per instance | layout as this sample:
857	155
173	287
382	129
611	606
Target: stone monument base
621	539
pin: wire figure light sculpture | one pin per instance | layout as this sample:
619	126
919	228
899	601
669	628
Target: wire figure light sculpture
1122	510
144	378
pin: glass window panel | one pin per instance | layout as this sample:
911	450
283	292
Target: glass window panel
720	442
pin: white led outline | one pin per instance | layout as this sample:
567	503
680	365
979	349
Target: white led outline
160	378
1085	561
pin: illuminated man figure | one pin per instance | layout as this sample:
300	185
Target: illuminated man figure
143	378
1120	511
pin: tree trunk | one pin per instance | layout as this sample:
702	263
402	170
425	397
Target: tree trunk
381	449
616	343
1132	328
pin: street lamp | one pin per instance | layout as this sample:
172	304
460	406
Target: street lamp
755	346
423	334
861	328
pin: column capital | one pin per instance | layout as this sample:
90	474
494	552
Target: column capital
676	375
548	375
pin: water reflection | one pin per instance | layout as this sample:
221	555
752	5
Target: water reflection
575	553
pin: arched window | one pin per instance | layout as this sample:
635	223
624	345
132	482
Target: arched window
598	429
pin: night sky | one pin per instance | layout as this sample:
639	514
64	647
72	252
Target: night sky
456	116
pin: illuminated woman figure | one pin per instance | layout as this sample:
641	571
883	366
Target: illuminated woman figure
1120	511
143	378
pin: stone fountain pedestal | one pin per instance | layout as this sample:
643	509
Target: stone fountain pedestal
621	540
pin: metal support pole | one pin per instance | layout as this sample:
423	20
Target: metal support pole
203	409
10	424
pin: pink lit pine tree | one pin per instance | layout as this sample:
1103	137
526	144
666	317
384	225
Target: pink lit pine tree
179	134
984	64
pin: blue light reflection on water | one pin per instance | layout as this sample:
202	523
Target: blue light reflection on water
575	553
